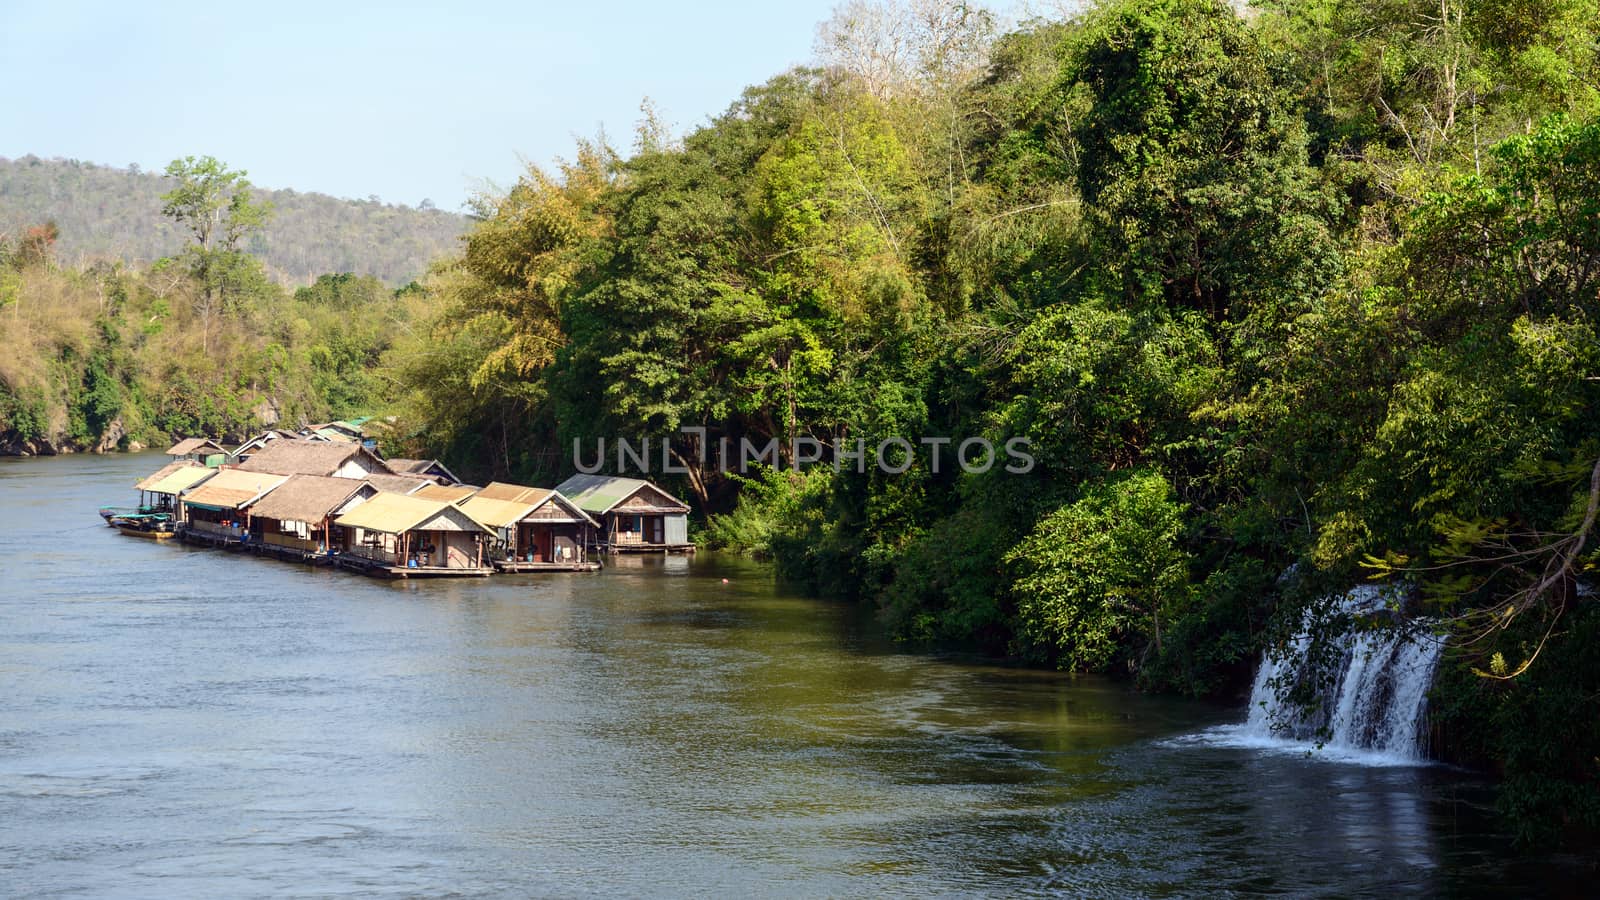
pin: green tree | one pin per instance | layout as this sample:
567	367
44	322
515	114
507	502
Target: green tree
1100	575
213	202
1193	162
1490	432
1222	271
216	205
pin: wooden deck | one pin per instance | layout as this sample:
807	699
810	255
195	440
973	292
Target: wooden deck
290	554
191	535
384	568
380	569
647	548
507	565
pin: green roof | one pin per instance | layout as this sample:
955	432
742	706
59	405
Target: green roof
598	493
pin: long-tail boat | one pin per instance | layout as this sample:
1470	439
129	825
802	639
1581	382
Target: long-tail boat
111	512
156	526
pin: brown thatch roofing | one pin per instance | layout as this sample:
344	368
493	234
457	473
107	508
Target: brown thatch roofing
263	439
520	493
154	478
449	493
308	498
403	466
189	446
232	488
428	467
287	457
398	484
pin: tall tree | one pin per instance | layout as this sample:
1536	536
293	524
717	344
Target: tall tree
1193	161
213	202
216	205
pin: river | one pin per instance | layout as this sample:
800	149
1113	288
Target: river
183	722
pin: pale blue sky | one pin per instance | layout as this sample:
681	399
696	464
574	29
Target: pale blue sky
402	100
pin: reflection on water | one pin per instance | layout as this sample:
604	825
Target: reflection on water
181	722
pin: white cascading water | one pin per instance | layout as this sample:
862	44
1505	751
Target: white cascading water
1372	697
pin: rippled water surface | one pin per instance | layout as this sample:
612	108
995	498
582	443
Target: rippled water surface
178	722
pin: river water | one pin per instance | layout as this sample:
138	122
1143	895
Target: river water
181	722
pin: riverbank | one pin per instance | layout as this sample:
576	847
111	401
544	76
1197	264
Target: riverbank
100	358
14	444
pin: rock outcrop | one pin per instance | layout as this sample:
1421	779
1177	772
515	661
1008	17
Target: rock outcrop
112	438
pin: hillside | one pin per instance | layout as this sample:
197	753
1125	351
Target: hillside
107	212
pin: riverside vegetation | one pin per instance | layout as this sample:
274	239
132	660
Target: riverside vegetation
109	356
1283	301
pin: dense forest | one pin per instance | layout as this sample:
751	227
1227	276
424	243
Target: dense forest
105	355
1281	301
108	213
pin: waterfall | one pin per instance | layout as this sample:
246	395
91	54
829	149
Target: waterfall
1370	690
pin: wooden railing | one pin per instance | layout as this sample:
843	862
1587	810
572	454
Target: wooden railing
374	553
290	541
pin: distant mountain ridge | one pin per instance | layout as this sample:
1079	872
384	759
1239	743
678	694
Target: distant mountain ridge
105	212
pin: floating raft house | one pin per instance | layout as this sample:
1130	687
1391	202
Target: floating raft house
408	537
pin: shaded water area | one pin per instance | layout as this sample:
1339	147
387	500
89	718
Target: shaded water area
180	722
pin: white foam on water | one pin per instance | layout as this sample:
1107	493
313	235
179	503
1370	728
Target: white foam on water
1372	699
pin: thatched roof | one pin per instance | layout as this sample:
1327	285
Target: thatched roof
287	457
429	467
191	446
262	439
407	466
398	484
308	498
449	493
154	478
601	493
233	488
179	479
500	490
397	513
496	513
